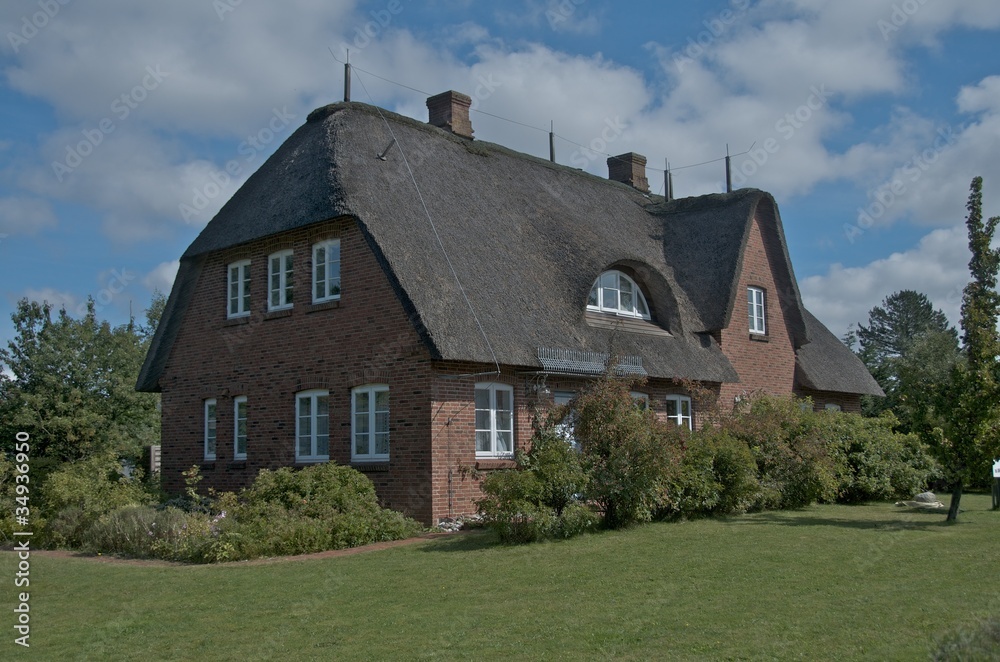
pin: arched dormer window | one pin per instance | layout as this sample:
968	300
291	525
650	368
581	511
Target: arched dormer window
614	292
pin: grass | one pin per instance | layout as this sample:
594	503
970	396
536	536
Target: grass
826	582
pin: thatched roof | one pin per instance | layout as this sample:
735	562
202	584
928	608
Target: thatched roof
826	364
526	238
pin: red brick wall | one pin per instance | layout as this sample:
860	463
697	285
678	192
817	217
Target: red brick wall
848	401
764	363
364	338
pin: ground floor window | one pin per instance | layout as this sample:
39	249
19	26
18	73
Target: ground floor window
240	428
210	421
312	426
679	410
494	420
370	423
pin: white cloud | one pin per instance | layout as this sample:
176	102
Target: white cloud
937	267
23	215
162	277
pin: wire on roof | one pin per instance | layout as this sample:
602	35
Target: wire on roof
355	67
430	220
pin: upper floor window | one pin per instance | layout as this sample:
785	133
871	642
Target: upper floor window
312	426
326	271
210	421
755	309
240	427
494	420
679	410
279	279
239	289
370	423
614	292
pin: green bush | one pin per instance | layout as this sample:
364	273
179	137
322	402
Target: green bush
793	467
539	499
716	475
981	642
148	532
873	462
627	452
77	494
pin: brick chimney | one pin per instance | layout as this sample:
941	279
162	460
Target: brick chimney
450	110
629	168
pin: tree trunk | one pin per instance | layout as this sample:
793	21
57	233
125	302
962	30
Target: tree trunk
956	498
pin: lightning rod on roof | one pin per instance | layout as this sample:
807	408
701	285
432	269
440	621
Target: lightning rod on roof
552	141
347	77
729	174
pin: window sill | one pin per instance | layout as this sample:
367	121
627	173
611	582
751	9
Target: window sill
237	321
495	463
278	314
759	337
372	465
322	305
309	461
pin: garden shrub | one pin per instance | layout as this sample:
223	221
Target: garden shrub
793	467
148	532
539	499
627	452
717	474
873	462
75	496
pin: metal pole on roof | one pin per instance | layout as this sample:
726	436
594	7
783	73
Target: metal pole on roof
729	174
668	182
347	77
552	141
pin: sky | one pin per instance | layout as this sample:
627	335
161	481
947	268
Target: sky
866	119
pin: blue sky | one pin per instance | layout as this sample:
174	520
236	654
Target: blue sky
868	119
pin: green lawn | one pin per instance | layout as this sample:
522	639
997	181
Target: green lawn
827	582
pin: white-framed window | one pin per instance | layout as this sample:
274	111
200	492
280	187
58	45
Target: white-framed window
370	422
210	420
641	400
312	426
240	427
679	410
614	292
755	309
494	420
831	406
279	280
239	289
566	429
326	271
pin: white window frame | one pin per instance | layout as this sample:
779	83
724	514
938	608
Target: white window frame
641	399
756	309
679	418
370	392
566	429
237	419
493	430
612	281
211	429
832	406
286	278
242	284
313	396
330	271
